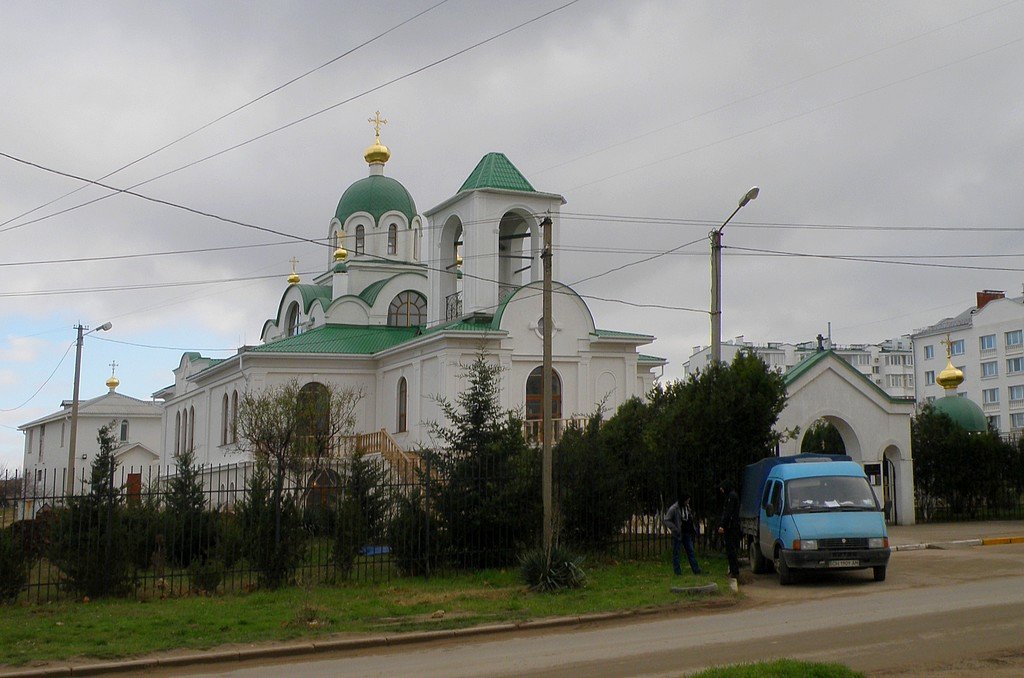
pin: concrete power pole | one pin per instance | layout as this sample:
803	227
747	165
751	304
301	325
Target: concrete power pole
546	468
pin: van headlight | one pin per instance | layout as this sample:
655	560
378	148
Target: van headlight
878	542
805	545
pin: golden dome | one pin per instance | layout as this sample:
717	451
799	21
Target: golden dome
340	254
458	260
378	152
294	277
113	382
950	377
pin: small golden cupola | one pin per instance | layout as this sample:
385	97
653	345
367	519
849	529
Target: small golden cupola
293	279
378	153
950	377
113	382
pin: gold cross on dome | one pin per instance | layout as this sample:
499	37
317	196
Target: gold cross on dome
295	262
949	347
377	121
113	367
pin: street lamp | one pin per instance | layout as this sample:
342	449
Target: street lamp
716	278
82	331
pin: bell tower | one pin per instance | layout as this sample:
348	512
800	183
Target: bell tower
486	240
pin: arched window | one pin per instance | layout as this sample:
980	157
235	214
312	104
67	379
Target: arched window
314	418
393	239
124	430
184	431
416	244
191	428
234	417
403	403
408	309
535	395
294	320
177	432
360	239
224	421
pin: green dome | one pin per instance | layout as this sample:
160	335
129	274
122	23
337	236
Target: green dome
376	194
963	412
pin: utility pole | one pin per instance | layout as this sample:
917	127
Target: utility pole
716	279
70	489
546	470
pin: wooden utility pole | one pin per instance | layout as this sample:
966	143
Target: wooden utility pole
546	481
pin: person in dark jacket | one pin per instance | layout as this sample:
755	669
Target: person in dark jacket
680	521
729	526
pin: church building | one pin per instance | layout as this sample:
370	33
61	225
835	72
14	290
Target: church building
405	298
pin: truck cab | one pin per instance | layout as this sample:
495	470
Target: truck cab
819	514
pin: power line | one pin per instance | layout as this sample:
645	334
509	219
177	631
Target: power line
165	348
294	122
876	260
647	164
222	117
776	88
41	386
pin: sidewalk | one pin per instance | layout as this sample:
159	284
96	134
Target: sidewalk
906	537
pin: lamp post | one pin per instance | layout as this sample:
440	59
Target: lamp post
716	278
82	331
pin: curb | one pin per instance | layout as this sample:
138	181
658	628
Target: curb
309	649
960	543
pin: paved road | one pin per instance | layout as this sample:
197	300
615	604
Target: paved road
959	611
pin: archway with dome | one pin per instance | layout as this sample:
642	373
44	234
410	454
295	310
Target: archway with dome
404	299
874	426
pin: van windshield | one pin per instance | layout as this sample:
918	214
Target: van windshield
829	493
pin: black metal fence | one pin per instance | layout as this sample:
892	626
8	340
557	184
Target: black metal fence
151	533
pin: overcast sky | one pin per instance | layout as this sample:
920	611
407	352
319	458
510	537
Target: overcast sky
902	122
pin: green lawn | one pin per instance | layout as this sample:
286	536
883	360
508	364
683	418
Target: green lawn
784	668
104	629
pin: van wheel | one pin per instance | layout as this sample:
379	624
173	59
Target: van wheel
758	563
786	576
879	573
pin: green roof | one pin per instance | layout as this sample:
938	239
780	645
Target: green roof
369	294
963	412
362	339
352	339
310	293
376	194
496	171
613	334
642	358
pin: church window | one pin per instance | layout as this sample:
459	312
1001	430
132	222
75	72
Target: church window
535	395
408	309
360	239
224	420
124	430
403	402
393	239
177	432
234	417
314	417
416	244
191	428
294	320
42	435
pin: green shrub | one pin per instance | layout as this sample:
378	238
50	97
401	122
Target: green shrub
414	536
554	571
274	541
206	576
359	517
15	561
89	538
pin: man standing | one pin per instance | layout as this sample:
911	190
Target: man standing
681	523
729	527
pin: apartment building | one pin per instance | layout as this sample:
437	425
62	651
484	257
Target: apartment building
986	342
888	364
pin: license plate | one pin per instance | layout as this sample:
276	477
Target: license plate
844	563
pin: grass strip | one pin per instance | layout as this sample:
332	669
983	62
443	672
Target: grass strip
782	668
116	628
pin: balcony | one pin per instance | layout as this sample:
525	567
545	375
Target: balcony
453	306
